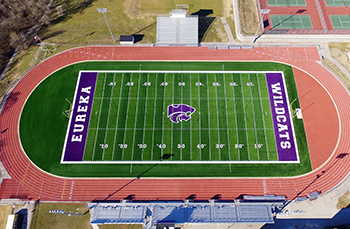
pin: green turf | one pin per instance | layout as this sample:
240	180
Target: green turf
291	21
43	127
340	21
118	131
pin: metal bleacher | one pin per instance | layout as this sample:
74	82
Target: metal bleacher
152	213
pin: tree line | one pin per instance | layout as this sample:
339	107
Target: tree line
16	18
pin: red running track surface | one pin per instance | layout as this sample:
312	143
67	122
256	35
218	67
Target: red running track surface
324	101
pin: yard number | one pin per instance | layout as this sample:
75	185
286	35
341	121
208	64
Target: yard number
250	84
239	146
164	84
142	146
129	84
216	84
161	146
199	84
180	146
104	146
220	146
233	84
201	146
258	146
146	84
181	83
123	146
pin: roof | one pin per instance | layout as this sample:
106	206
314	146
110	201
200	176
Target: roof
177	30
180	212
126	38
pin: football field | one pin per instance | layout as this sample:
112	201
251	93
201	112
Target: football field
176	117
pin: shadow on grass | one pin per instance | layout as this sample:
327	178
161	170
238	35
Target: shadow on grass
69	9
204	22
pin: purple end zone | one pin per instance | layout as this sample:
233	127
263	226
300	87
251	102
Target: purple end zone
281	116
80	117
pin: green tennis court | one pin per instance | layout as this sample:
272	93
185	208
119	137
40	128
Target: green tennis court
291	22
338	3
286	2
340	21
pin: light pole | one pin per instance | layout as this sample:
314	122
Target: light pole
103	11
262	13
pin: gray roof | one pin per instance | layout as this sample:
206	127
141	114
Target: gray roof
177	30
151	213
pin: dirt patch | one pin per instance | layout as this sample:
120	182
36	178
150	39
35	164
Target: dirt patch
132	8
338	52
5	210
248	15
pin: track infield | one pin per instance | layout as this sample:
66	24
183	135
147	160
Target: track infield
227	120
327	133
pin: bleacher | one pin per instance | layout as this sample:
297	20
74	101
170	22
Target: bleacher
152	213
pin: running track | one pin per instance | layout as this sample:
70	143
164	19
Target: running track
327	127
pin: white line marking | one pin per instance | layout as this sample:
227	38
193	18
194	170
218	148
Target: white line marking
144	119
116	124
256	134
109	111
135	122
99	117
262	114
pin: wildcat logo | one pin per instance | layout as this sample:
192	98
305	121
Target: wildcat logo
179	112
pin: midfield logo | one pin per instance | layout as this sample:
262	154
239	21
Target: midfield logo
179	112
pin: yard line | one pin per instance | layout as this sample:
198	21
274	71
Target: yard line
245	118
181	88
208	116
227	132
190	119
217	113
116	125
161	154
199	106
256	134
109	111
262	114
234	104
99	117
144	119
127	114
135	122
154	114
172	124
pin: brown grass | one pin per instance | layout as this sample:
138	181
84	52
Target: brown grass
248	15
5	210
344	200
338	52
43	219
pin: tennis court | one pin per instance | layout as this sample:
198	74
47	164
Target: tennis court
286	2
291	21
340	21
338	3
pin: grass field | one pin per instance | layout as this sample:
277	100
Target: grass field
42	219
232	121
44	145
